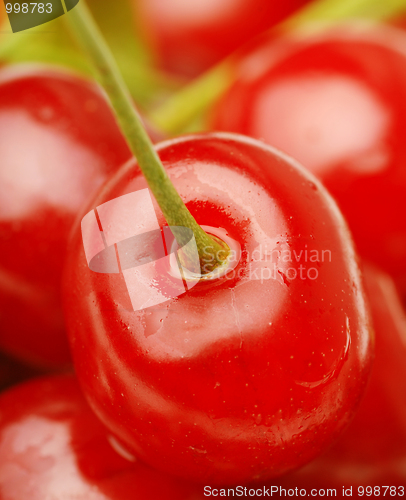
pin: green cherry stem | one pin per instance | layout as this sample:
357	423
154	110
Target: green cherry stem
173	208
180	109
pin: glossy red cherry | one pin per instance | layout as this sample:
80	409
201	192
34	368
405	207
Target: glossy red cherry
190	36
336	101
52	446
243	377
372	451
58	143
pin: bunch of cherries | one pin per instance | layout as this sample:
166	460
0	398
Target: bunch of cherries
206	317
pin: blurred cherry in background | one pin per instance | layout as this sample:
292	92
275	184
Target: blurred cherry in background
189	36
59	141
52	446
336	101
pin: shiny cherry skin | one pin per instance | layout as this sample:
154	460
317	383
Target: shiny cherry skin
372	451
53	447
58	142
191	36
336	101
242	377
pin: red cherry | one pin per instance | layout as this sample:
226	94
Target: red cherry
58	143
52	446
337	102
190	36
241	377
372	451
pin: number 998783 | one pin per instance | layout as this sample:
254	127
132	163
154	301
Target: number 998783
26	8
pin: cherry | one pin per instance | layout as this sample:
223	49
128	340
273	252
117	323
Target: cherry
336	101
58	143
52	446
373	449
189	37
242	377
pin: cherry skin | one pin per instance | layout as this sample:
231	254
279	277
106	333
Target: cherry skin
244	377
52	446
58	143
190	37
372	451
335	101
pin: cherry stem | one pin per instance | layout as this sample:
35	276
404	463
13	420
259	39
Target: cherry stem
180	109
173	208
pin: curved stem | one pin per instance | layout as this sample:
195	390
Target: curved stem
174	115
174	210
341	10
